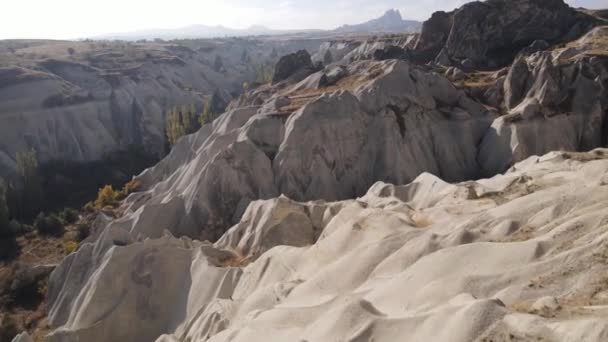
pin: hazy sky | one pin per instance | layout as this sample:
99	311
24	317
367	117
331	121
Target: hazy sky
65	19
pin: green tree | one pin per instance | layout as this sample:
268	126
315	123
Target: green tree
264	73
32	191
174	127
49	225
206	116
180	122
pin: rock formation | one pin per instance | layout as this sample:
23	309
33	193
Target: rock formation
387	121
297	65
554	100
491	33
516	255
487	233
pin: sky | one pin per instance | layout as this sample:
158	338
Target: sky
73	19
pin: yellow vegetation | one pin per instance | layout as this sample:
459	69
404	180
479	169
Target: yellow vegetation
69	247
106	197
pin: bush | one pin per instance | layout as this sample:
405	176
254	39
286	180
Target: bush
8	328
83	232
9	249
48	225
69	215
132	186
89	207
106	197
17	228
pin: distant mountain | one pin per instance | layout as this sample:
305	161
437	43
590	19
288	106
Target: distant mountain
391	21
198	31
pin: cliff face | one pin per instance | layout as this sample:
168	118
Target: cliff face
80	101
491	33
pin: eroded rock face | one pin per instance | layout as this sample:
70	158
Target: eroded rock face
491	33
381	121
479	257
397	121
334	51
552	104
105	97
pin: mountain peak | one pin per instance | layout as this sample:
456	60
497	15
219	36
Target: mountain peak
392	15
391	21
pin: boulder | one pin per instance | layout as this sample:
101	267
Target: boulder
334	74
390	52
297	65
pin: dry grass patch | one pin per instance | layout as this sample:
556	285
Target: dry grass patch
594	43
300	98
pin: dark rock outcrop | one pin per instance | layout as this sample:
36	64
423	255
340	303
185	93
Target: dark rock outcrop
295	65
491	33
390	52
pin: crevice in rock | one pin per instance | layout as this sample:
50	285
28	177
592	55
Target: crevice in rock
399	117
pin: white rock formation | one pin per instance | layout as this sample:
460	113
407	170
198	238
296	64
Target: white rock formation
428	261
390	121
553	103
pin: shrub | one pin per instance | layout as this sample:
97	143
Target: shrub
132	186
89	207
16	228
9	249
69	215
8	328
32	192
83	231
106	197
48	225
69	247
